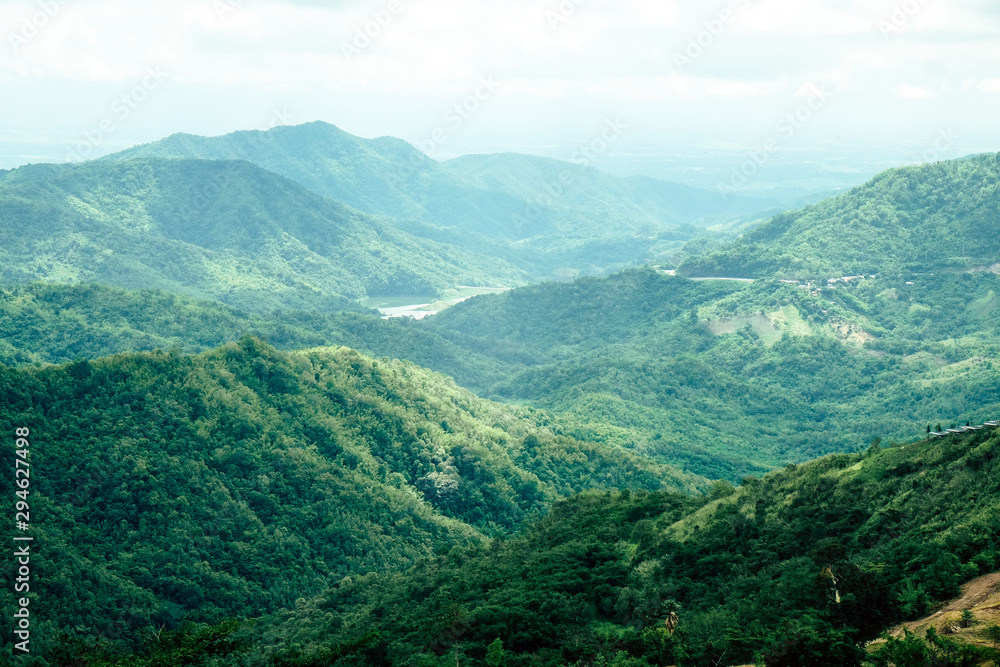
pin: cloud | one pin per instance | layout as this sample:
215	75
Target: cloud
236	62
990	86
915	92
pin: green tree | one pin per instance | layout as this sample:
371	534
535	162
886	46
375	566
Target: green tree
495	655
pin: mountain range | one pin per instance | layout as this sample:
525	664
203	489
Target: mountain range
229	231
236	464
234	482
540	214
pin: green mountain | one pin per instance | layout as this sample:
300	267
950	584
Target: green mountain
228	231
377	513
937	217
166	487
719	378
802	567
385	176
560	190
43	323
545	216
726	378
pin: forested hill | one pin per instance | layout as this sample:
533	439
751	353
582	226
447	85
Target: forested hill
545	216
229	231
935	217
719	378
799	568
637	203
727	378
168	487
383	176
389	176
44	323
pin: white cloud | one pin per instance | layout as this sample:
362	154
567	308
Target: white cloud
804	17
915	92
990	86
604	58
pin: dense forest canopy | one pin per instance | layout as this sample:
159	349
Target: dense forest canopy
935	217
799	568
719	378
174	487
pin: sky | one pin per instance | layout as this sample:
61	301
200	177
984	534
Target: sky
732	94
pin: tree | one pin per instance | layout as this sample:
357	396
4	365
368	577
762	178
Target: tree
495	655
906	651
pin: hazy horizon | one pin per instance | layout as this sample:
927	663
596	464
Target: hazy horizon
767	97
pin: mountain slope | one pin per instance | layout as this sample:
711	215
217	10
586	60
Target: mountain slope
383	176
801	567
720	378
229	231
42	323
234	482
558	190
937	217
496	204
725	378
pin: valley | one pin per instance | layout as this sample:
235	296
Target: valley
418	308
271	418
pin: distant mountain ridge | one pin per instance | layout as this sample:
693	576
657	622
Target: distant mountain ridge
226	230
562	186
542	215
378	176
